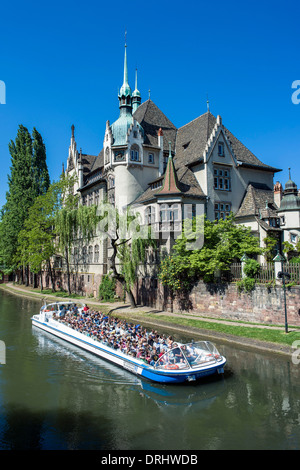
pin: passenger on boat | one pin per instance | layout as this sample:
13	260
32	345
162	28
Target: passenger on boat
118	334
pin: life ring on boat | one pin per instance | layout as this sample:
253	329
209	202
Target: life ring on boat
172	366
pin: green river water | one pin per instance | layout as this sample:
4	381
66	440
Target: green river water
55	396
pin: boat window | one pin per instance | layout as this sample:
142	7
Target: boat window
200	353
173	359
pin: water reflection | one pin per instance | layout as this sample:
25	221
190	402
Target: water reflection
55	396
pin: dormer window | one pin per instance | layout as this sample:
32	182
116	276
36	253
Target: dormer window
221	149
156	184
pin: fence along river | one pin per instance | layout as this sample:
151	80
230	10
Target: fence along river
54	396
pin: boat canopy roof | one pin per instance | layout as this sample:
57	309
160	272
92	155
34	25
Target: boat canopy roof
67	303
185	356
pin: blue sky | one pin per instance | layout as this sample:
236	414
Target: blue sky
62	63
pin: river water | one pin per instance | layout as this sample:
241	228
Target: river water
54	396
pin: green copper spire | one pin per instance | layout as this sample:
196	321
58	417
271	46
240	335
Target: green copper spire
125	89
121	126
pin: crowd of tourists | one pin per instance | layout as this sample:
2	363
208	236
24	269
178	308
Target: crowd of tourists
117	333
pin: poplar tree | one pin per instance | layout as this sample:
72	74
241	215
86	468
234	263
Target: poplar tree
19	196
40	174
28	178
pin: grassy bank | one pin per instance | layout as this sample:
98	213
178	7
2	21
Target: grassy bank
270	335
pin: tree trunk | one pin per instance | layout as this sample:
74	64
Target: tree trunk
68	270
131	299
51	276
27	276
41	279
119	277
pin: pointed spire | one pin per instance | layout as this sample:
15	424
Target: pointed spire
136	96
207	103
136	88
125	89
170	184
125	81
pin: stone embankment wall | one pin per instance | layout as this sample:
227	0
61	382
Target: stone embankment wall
264	305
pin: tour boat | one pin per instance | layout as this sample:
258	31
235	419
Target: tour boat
180	363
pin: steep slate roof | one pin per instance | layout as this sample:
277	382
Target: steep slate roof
188	144
244	155
99	161
151	118
192	139
257	196
87	162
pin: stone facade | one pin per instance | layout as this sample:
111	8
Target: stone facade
224	301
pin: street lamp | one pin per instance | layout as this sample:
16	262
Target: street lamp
282	275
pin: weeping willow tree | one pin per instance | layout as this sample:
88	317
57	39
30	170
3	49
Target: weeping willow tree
72	224
129	241
73	221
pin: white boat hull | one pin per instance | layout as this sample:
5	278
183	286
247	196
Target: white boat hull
129	363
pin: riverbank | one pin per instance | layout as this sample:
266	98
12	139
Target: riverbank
258	336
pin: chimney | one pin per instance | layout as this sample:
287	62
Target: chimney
278	193
161	152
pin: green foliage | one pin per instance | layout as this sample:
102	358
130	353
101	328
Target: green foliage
173	274
129	241
28	178
36	241
131	255
271	243
251	268
41	179
224	242
246	284
107	288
